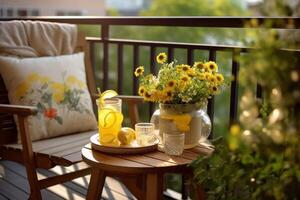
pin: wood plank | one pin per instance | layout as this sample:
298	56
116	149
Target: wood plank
113	163
74	157
15	174
11	192
70	148
189	155
113	189
2	197
111	183
165	157
52	143
201	150
148	161
43	145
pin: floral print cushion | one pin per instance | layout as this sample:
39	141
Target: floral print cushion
57	87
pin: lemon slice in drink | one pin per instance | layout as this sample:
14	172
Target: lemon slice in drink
109	117
107	94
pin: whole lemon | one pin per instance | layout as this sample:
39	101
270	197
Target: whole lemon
126	135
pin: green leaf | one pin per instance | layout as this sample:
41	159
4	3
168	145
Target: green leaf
59	120
40	107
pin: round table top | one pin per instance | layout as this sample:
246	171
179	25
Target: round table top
156	161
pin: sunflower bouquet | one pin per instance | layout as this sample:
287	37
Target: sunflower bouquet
180	83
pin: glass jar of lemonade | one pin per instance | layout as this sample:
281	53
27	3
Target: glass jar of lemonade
110	120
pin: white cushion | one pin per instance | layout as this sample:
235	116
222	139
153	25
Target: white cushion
57	86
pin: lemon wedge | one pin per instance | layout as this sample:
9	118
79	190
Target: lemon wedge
126	135
106	95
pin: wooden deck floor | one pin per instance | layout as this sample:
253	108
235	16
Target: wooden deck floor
14	185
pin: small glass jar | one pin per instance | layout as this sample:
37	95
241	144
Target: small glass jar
173	143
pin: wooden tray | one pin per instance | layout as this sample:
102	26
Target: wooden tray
132	148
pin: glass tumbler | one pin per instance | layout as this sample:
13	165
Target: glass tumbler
110	120
173	143
145	133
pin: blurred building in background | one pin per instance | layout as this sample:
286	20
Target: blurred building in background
9	8
128	7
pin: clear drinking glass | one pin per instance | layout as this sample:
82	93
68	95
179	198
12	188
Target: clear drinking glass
145	133
173	143
110	120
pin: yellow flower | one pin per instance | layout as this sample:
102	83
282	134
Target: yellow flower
185	79
201	76
58	91
207	75
161	58
139	71
22	89
214	89
199	65
183	67
167	95
171	84
212	66
191	72
220	78
73	81
213	79
235	129
44	79
147	96
33	77
142	91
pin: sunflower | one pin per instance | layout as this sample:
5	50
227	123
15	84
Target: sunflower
142	91
199	65
191	72
147	96
220	78
214	89
212	66
167	95
139	71
213	79
207	75
185	78
161	58
171	84
201	76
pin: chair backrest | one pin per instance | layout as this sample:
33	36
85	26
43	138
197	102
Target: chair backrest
8	130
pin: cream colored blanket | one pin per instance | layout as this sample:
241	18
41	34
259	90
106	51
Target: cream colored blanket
36	38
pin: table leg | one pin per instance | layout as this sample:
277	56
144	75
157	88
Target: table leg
96	184
154	186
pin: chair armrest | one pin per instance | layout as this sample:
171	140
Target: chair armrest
18	110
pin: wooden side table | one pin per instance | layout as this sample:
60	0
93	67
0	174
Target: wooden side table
142	174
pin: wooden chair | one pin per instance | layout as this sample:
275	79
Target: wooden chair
46	153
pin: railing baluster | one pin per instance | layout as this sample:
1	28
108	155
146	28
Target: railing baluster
211	101
105	36
120	69
190	56
259	91
170	54
135	64
153	70
234	88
